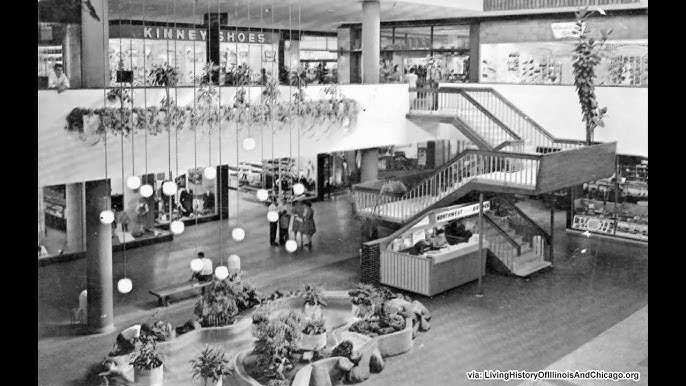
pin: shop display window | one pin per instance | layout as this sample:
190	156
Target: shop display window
277	176
623	63
195	198
451	37
616	206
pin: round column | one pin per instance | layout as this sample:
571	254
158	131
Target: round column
98	258
371	41
369	165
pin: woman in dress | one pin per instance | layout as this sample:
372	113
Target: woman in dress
309	227
141	214
298	221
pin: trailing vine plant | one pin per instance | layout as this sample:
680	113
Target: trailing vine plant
336	111
586	57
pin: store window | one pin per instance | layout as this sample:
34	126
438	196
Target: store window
276	175
50	37
441	52
248	57
616	206
195	197
623	63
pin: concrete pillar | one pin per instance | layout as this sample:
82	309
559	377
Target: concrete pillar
369	165
371	41
71	52
73	214
344	57
98	258
552	225
95	46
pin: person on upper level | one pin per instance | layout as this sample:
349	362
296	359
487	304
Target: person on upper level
57	79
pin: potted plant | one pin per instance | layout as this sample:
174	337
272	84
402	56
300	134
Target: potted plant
147	363
363	297
211	365
314	300
314	335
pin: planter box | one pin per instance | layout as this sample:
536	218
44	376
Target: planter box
148	377
398	342
209	382
311	342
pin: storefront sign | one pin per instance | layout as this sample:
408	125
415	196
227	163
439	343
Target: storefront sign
464	211
198	34
564	30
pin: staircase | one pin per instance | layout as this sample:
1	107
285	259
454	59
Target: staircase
515	240
514	155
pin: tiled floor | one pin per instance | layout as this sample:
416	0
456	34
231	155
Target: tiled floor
519	324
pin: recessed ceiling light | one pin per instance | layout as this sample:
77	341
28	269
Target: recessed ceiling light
331	10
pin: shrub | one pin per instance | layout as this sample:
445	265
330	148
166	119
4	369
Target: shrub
211	364
276	341
314	327
217	306
313	294
344	349
156	329
146	356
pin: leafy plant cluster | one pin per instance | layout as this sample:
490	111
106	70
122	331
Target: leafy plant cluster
313	293
314	327
277	331
383	320
223	300
211	364
163	75
207	113
587	55
146	356
156	330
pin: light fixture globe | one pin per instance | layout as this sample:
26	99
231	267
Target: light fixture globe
298	189
210	173
234	262
169	188
196	265
291	246
262	194
124	285
238	234
177	227
133	182
146	191
248	144
106	217
272	216
221	272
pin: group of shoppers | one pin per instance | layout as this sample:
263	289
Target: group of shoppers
299	222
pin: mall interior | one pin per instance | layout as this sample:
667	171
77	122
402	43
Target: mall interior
447	186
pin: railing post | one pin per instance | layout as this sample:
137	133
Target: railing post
552	225
481	246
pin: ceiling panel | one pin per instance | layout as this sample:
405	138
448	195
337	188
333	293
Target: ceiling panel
311	15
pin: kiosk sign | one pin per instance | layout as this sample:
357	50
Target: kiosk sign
464	211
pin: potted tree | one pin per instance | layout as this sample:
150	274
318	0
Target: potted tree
211	365
314	335
363	296
147	363
314	300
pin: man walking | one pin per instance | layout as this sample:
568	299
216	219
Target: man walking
284	222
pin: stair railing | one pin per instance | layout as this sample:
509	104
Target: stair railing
487	128
499	168
521	223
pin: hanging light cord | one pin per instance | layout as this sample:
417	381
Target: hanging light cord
195	142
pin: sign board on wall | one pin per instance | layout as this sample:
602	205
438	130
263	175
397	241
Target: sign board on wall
185	33
564	30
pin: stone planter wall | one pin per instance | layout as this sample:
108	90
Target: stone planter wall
398	342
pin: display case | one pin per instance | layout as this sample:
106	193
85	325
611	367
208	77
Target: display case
54	204
616	206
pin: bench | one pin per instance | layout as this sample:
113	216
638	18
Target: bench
179	291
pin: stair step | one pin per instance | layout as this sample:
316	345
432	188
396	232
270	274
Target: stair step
525	258
530	268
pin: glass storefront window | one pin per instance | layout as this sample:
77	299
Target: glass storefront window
451	38
412	38
387	39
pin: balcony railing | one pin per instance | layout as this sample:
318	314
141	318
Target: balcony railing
513	5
